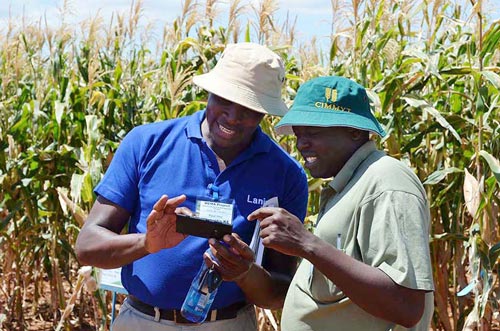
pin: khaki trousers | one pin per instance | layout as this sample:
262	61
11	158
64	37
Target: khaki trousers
130	319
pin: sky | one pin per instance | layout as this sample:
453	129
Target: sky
313	16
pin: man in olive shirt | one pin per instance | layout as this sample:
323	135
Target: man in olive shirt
367	265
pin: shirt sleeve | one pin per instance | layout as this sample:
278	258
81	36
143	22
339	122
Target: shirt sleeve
394	237
120	182
296	195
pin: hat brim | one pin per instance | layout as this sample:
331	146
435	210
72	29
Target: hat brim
236	93
305	116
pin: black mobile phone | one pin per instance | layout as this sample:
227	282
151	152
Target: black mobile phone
202	227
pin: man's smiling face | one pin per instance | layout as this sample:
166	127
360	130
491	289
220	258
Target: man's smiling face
230	125
325	149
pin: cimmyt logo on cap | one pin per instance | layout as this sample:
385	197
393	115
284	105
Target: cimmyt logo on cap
331	97
330	94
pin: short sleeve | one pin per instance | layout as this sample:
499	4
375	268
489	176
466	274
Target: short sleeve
394	237
296	193
120	182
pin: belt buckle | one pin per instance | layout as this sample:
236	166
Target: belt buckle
212	316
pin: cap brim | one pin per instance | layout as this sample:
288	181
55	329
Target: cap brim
240	95
310	117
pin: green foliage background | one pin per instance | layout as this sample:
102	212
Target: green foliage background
68	96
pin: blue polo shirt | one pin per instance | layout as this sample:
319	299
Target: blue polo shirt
172	158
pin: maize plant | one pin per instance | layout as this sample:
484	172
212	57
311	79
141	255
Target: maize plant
69	94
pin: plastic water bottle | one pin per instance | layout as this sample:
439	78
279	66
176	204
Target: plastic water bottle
201	293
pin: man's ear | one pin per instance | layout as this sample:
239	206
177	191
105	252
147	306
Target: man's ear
358	135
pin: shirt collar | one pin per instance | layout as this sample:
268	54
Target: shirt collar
345	174
193	126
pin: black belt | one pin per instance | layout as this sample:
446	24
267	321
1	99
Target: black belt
175	315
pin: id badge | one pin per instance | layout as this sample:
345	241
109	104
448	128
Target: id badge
217	211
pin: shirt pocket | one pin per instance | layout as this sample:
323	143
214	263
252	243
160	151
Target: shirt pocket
323	289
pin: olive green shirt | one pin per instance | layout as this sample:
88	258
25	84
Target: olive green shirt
376	211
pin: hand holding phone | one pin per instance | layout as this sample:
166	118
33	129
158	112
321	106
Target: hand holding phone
202	227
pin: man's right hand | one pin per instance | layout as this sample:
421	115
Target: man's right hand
234	257
161	224
282	231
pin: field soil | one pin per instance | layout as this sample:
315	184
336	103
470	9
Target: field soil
38	316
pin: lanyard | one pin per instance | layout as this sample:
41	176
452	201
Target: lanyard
214	189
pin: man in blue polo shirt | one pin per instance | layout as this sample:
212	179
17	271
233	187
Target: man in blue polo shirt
216	154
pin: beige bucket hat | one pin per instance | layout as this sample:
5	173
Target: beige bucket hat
248	74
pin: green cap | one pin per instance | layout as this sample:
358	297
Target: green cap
330	101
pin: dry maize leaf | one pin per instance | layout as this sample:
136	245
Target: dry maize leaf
471	193
472	320
67	203
271	319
